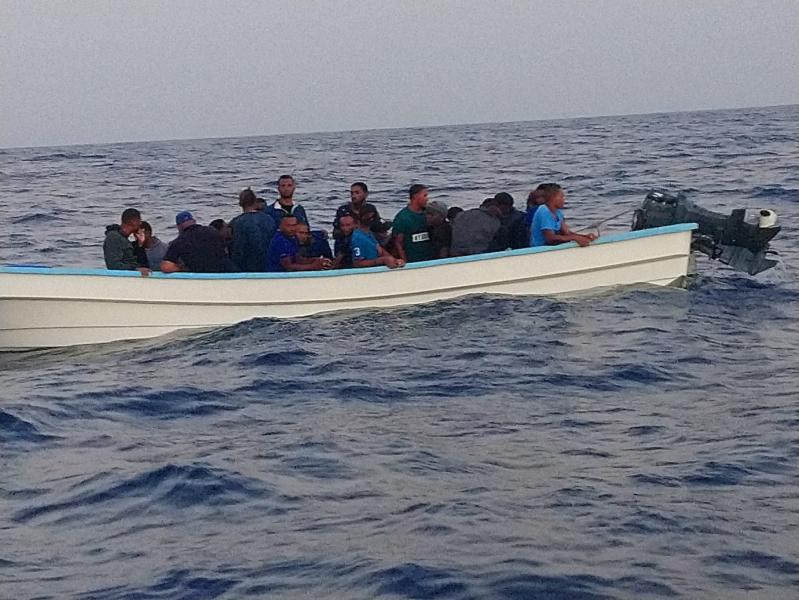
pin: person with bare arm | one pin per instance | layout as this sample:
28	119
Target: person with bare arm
411	236
549	227
284	252
366	251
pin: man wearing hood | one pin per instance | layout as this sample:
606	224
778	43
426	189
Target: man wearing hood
119	252
475	230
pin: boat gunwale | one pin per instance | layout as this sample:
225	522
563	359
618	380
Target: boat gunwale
609	239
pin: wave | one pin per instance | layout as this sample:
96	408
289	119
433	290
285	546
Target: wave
59	156
15	429
176	583
169	486
37	219
776	191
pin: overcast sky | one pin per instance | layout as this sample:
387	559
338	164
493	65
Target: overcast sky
86	71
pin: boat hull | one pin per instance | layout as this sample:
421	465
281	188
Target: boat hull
63	307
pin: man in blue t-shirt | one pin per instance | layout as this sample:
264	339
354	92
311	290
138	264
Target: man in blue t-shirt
549	227
284	251
366	251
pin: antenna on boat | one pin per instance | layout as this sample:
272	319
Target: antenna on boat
598	224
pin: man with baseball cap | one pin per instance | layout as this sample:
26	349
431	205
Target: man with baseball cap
197	249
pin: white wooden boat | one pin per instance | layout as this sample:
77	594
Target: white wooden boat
48	307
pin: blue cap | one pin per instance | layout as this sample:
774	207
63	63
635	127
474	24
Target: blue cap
182	217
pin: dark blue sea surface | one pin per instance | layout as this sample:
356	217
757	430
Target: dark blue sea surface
634	443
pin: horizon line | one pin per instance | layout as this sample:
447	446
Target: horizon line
390	128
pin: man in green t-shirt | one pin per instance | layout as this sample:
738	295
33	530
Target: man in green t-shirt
412	239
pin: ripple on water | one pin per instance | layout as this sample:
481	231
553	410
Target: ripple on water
15	429
169	486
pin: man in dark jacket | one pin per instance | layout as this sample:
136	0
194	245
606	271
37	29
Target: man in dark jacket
253	231
313	243
476	230
357	206
119	252
514	223
440	229
197	249
343	246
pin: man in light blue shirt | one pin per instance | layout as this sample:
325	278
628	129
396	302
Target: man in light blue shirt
366	251
549	227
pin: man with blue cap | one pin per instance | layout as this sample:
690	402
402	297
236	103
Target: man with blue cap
197	249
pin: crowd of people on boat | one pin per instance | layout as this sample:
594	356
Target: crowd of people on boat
278	237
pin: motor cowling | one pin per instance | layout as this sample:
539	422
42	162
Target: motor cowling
727	238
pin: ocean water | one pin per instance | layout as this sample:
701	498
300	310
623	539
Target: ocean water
637	443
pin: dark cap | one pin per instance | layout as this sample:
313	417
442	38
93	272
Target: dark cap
183	217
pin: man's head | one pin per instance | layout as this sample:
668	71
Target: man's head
184	220
552	195
492	206
435	213
247	199
347	224
369	220
535	198
358	193
285	187
453	212
303	234
505	202
288	226
418	196
223	228
130	221
260	204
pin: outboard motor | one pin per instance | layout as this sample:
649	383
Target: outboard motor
741	245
